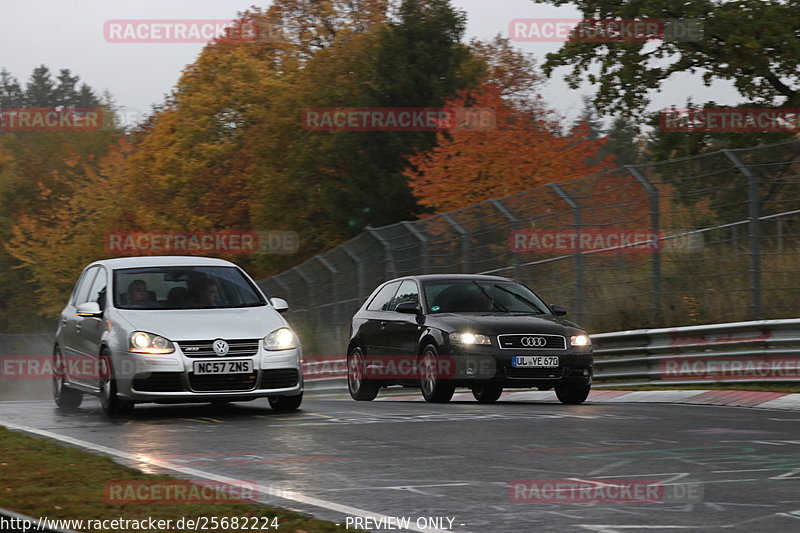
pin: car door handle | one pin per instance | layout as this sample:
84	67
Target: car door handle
78	328
383	325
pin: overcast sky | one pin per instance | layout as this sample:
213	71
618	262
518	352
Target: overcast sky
69	34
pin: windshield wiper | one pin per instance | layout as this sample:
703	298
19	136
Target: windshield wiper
522	299
501	307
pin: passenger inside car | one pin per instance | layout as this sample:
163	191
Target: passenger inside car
176	296
138	295
202	293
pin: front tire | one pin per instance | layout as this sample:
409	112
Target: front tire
573	393
487	392
361	389
435	389
112	404
285	404
64	396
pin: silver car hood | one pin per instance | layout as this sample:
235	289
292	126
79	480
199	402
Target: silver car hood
205	324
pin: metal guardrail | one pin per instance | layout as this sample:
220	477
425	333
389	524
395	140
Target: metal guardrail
736	352
654	356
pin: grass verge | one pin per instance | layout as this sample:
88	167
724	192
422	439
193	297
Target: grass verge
40	478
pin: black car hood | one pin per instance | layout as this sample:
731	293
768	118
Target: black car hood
496	323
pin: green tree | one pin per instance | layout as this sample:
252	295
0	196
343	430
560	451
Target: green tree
622	142
752	43
589	116
417	60
11	94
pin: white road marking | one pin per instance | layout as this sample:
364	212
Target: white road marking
788	475
264	490
607	467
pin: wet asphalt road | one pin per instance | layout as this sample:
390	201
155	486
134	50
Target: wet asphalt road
721	467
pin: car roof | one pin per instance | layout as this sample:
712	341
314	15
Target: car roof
162	260
439	277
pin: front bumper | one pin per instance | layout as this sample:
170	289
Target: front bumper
171	379
476	363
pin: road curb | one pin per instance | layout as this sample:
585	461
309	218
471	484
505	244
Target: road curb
732	398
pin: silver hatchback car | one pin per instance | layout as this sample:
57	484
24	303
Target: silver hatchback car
174	330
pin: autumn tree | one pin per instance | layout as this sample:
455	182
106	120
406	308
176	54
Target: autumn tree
37	170
524	150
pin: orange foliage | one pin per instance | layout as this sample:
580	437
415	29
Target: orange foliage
524	150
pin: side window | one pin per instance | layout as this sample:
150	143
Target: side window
84	284
97	292
381	300
407	292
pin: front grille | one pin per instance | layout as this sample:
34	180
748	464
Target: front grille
551	342
237	348
279	379
158	382
223	382
534	373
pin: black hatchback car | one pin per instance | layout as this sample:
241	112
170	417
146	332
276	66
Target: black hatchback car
486	333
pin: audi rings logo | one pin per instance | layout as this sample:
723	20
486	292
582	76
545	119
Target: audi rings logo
220	347
533	342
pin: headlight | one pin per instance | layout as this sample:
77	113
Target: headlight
281	339
141	342
469	338
580	340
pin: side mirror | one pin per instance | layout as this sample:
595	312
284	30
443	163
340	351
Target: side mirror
279	304
409	308
89	309
558	310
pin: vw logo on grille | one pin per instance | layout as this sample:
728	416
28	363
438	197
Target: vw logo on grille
220	347
532	342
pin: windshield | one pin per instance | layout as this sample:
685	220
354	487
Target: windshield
183	288
479	296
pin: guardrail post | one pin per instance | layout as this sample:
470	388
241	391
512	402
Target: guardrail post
465	246
388	261
334	301
423	244
578	268
500	206
754	233
655	226
362	291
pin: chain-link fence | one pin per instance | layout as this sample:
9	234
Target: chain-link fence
704	239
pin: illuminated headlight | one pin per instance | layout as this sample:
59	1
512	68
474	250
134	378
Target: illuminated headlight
469	338
580	340
141	342
281	339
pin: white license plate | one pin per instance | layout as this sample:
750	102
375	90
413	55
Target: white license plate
534	361
223	367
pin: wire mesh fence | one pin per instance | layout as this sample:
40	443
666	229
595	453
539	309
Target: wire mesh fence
703	239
